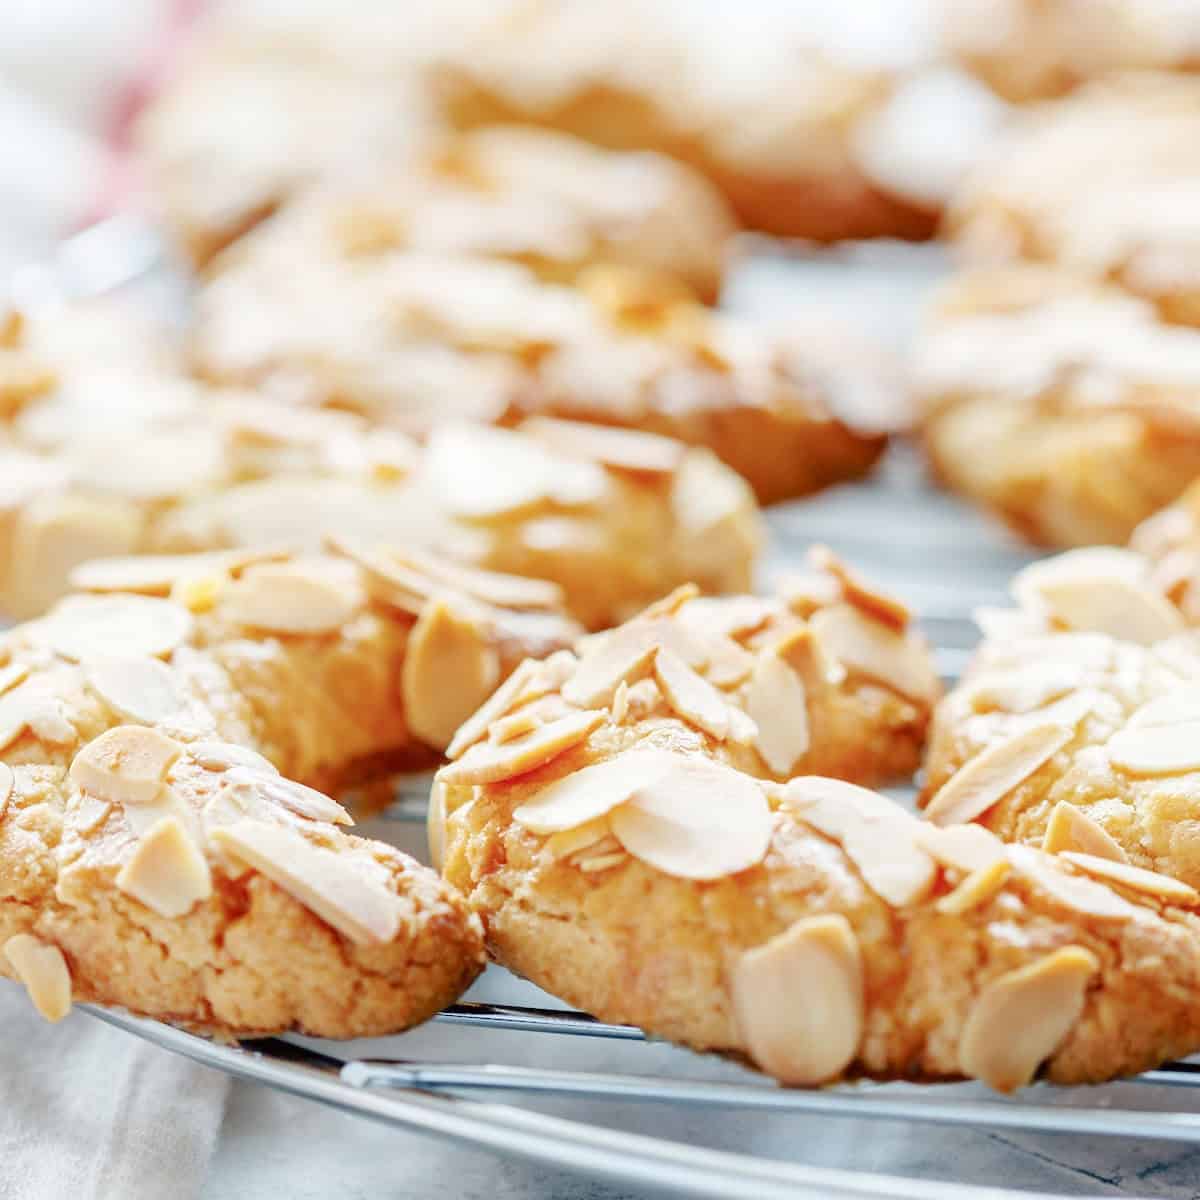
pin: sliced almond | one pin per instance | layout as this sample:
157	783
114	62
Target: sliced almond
798	1001
601	672
42	968
347	892
157	574
140	689
126	765
728	663
601	862
435	824
83	627
475	727
166	872
1025	688
88	813
1156	749
582	837
976	889
1180	706
669	605
12	675
878	836
620	703
777	703
1070	828
642	699
1164	887
515	725
988	777
863	596
877	651
1020	1018
727	616
585	796
624	449
489	763
450	668
302	801
35	705
696	820
492	587
289	599
690	695
386	579
962	847
1071	891
220	756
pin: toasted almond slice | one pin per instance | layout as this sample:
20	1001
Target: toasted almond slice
878	836
898	661
642	698
450	668
582	837
435	824
691	696
12	675
863	596
778	705
515	725
804	592
140	689
615	661
1024	689
343	892
88	813
295	797
988	777
727	616
601	862
728	663
35	705
126	764
1173	891
962	847
286	598
492	587
1020	1018
385	579
623	449
1070	828
814	1041
1071	891
42	968
1180	706
82	627
489	763
669	605
743	729
696	820
166	872
584	796
976	889
475	727
7	783
1156	749
157	574
220	756
620	703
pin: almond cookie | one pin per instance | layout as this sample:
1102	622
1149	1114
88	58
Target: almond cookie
1134	224
176	467
405	338
616	835
162	846
1076	727
1070	408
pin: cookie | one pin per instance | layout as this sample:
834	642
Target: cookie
1102	184
619	836
403	337
162	846
1087	402
179	467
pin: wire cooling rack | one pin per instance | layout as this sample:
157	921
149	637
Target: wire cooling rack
582	1095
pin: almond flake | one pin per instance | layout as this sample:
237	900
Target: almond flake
12	675
140	689
1180	706
349	892
898	661
777	703
623	449
450	668
582	837
286	598
126	765
475	727
7	782
492	587
691	696
1156	749
728	663
1070	828
620	703
1071	891
515	725
813	1041
157	574
37	706
220	756
386	580
615	661
727	616
988	777
166	872
1024	689
586	795
1173	891
435	824
976	889
489	763
642	698
1020	1018
964	848
696	820
601	862
303	801
42	968
743	729
872	603
669	605
83	627
878	836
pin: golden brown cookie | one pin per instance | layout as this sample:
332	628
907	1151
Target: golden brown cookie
1068	407
175	466
161	844
614	832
